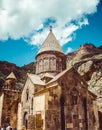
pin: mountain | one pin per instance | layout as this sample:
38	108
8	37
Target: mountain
20	72
87	50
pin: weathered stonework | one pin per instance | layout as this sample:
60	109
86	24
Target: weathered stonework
55	98
9	100
52	62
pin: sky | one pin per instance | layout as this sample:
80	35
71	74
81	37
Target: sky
24	25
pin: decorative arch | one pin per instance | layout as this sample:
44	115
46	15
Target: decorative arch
52	63
45	63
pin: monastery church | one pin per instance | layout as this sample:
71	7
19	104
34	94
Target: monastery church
55	98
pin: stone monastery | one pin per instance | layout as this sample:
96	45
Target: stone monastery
55	98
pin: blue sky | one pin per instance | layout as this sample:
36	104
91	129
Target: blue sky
23	30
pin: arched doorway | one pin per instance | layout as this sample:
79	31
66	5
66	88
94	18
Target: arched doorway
25	120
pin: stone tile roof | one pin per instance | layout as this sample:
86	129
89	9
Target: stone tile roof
11	76
35	79
50	44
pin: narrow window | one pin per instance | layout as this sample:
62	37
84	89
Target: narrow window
85	112
32	106
27	94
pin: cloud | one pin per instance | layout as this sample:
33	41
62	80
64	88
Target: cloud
69	49
29	19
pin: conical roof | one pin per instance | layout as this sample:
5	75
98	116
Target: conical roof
11	76
50	44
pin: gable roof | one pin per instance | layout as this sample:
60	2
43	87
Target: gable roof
50	44
35	79
63	73
47	75
58	75
11	76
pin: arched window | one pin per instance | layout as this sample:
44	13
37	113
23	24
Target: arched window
27	94
46	66
40	66
52	64
32	106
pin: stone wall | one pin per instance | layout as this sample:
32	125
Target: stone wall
52	114
48	62
39	111
26	102
70	105
10	107
27	92
64	113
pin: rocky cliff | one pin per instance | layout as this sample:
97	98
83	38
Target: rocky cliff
88	61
